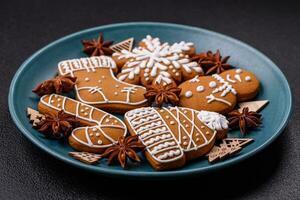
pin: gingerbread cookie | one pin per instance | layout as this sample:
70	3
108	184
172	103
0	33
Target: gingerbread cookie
101	129
244	82
96	84
172	136
219	92
155	62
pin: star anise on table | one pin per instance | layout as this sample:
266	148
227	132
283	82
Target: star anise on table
160	94
97	47
58	85
57	125
244	120
126	148
212	62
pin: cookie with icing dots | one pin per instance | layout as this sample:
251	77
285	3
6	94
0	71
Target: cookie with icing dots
210	93
219	92
157	62
96	84
244	82
173	135
99	129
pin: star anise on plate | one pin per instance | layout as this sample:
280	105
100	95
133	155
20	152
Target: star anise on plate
57	125
58	85
160	94
212	62
97	47
244	120
126	148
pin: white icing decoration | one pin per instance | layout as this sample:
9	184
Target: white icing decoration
238	77
200	88
247	78
210	98
86	79
188	94
238	71
156	58
229	79
194	80
99	142
213	120
89	118
212	84
94	64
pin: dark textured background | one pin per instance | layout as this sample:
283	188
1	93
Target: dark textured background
28	173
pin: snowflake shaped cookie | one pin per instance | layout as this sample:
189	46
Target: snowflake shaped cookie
157	62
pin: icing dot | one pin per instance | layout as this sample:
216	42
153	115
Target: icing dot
86	108
238	71
103	77
197	139
161	111
212	84
207	133
117	86
110	116
85	113
97	134
167	117
91	134
147	70
185	143
202	126
116	93
186	125
86	79
184	121
107	120
172	122
116	121
171	67
94	129
52	101
177	74
247	78
146	74
99	142
184	111
147	79
184	137
174	70
81	110
181	54
60	99
197	134
200	88
99	81
188	94
58	105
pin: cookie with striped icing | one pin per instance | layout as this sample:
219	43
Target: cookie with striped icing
96	84
99	129
172	136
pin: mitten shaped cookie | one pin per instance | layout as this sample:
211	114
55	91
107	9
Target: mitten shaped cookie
153	61
96	84
100	129
172	136
219	92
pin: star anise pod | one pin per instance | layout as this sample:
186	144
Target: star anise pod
244	120
58	85
97	47
212	62
57	125
125	149
162	94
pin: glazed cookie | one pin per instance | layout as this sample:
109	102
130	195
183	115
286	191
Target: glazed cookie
172	136
155	62
96	84
244	82
101	129
210	93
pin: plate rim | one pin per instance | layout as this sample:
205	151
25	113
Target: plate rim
152	174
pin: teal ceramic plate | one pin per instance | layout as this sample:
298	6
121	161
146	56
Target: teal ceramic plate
43	64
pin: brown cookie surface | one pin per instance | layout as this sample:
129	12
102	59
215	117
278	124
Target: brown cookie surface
210	93
101	129
172	136
244	82
96	84
156	61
